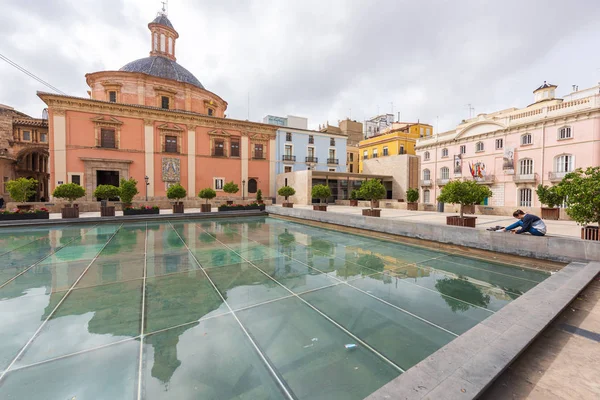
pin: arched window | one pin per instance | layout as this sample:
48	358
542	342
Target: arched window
444	152
526	166
426	175
445	173
155	41
479	146
252	186
170	45
563	163
426	156
426	196
564	133
526	139
163	42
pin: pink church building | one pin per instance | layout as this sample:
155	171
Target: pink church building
514	150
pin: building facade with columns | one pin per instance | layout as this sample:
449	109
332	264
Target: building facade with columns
153	118
514	150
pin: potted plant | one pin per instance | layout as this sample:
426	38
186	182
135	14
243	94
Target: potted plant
412	196
230	188
550	197
259	198
177	192
286	192
581	189
21	190
463	193
207	194
105	193
127	191
70	192
321	192
354	198
372	190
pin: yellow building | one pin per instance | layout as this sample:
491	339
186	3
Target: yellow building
400	138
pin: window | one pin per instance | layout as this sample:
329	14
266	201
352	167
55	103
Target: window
219	183
525	197
171	144
351	157
374	153
427	156
331	153
445	173
311	139
112	96
463	149
258	151
351	168
422	132
162	42
288	149
499	144
6	179
365	155
426	196
164	102
332	141
155	41
428	131
311	152
43	137
526	139
426	174
170	45
288	136
235	148
564	133
479	147
76	179
331	169
385	151
526	166
563	163
107	138
211	112
27	136
444	153
287	168
219	150
401	150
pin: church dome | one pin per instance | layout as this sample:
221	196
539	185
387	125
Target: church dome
162	67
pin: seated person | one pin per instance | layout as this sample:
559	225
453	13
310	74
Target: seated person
529	223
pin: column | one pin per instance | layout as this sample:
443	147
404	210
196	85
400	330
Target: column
245	144
272	164
191	189
59	139
149	155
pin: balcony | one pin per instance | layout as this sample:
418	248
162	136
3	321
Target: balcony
311	159
425	182
442	182
288	158
525	178
333	161
219	153
556	176
486	180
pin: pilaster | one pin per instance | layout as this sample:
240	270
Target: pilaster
149	155
191	156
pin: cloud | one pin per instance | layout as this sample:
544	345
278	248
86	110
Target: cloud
322	60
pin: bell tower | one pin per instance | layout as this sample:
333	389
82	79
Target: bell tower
163	36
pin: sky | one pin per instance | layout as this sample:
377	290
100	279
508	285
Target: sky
321	59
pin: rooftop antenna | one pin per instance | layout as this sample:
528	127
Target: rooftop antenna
471	109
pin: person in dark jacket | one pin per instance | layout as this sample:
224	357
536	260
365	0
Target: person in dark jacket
529	223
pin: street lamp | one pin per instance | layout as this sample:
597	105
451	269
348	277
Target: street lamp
243	189
147	183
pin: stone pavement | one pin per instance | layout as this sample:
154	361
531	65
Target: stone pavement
555	228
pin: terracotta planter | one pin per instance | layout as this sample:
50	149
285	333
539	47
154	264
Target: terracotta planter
412	206
24	207
354	203
205	207
590	233
288	205
319	208
229	202
178	208
367	212
550	213
70	212
469	210
108	211
467	222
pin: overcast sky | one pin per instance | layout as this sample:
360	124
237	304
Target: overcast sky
322	59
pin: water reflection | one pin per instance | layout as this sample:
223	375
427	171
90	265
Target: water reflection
461	288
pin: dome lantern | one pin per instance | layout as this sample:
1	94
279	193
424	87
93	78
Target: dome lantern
163	36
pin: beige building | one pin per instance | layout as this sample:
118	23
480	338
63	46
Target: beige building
352	159
354	131
404	170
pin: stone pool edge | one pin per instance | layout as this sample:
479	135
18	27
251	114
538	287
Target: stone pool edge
554	248
149	217
465	367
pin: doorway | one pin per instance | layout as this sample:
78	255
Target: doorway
107	178
252	185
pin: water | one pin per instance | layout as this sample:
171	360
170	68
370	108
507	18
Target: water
255	308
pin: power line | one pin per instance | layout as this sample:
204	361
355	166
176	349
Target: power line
40	80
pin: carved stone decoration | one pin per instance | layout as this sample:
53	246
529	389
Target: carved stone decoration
171	169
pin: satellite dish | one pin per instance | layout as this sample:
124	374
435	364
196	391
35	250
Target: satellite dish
45	114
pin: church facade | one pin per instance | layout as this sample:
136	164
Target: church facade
154	121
